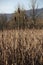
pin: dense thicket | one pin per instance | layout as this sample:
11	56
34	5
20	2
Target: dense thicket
19	20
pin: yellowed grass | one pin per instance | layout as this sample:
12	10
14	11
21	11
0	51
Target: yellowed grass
30	39
32	36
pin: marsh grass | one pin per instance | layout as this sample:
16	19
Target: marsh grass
21	47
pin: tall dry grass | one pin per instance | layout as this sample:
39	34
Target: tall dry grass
21	47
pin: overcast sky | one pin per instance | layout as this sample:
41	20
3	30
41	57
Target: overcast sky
9	6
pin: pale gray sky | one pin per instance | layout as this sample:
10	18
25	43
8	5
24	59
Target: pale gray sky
9	6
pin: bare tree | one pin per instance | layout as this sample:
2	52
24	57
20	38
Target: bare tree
33	13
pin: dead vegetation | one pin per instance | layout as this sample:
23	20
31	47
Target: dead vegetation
21	47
